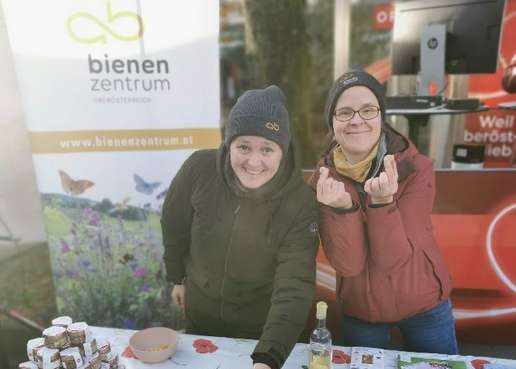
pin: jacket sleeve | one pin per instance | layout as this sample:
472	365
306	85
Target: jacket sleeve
390	227
294	287
176	220
343	237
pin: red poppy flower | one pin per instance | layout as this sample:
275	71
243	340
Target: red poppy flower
339	357
203	346
479	363
128	353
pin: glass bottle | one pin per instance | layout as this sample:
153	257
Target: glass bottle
320	341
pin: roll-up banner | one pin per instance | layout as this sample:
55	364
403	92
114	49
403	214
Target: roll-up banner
116	95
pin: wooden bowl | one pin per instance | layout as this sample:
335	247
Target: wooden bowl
154	345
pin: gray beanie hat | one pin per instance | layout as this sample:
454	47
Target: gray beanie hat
351	79
260	113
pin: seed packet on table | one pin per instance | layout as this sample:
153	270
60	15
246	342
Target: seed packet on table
366	358
410	361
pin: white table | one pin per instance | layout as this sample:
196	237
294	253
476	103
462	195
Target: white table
234	353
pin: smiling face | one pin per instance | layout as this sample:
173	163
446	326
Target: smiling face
357	136
255	160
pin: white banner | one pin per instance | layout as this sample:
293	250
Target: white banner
116	94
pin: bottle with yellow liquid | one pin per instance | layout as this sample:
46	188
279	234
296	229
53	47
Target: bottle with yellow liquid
320	341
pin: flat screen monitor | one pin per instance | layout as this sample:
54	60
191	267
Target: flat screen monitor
472	29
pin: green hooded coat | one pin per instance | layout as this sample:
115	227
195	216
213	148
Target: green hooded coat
248	256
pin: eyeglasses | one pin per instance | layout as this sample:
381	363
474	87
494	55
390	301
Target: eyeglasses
366	112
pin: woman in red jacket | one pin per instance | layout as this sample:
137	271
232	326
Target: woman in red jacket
376	193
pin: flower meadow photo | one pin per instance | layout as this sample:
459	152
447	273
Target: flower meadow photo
107	262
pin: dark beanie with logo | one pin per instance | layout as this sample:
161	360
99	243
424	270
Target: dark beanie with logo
260	113
351	79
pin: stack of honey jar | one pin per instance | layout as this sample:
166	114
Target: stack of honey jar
68	345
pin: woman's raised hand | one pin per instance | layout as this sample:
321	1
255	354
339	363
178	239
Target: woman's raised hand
382	188
332	192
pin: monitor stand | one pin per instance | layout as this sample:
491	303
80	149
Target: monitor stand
432	60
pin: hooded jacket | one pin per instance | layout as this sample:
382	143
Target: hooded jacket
248	257
387	261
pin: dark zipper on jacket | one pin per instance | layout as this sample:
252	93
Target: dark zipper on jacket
228	249
362	195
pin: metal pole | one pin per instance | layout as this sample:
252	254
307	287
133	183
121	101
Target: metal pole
342	21
13	314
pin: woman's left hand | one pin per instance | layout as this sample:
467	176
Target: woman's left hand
178	295
382	188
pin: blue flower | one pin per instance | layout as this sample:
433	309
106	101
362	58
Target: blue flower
71	274
84	264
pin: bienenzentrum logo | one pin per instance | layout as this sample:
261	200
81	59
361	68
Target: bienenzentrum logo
117	75
272	126
104	28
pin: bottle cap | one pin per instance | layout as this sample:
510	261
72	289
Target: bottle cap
321	310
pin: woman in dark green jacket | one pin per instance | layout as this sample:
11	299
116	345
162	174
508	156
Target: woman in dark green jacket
240	233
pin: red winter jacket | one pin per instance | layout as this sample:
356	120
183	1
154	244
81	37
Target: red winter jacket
388	264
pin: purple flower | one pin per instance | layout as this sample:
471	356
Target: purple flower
92	216
65	247
128	324
140	272
145	287
94	219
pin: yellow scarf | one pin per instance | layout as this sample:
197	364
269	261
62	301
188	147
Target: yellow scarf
358	171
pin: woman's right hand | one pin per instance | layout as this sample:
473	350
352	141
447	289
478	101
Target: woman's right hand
178	295
331	192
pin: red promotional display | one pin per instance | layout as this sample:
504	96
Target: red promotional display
473	218
496	129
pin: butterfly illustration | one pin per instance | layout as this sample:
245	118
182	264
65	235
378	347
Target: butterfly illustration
146	188
126	258
162	194
72	186
120	206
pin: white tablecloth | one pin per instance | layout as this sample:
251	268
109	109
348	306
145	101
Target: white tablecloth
231	353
